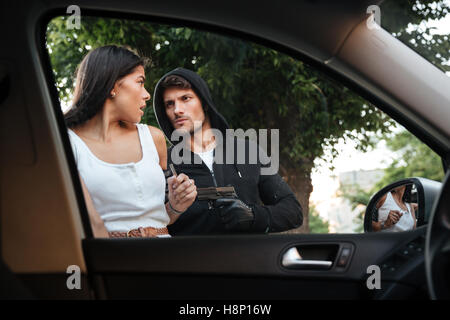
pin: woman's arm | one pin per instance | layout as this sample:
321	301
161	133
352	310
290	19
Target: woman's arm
182	190
173	216
413	214
161	146
182	193
160	142
381	201
376	226
97	225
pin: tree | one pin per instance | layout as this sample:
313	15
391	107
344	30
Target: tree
316	223
412	158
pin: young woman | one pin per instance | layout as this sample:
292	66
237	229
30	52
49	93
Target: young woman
394	213
120	161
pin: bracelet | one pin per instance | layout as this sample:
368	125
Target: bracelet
174	211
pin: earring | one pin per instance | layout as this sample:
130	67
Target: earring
113	95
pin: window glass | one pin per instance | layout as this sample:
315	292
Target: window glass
335	149
423	25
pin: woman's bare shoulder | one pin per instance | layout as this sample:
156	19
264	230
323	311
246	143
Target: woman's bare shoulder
156	132
381	201
157	135
160	143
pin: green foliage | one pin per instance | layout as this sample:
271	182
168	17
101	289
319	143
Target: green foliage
316	223
411	158
398	16
275	90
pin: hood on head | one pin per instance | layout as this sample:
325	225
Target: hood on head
201	89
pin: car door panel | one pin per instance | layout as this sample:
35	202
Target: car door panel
187	267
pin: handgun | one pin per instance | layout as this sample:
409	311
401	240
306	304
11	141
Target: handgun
214	193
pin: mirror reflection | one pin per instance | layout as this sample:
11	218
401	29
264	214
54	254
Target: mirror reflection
396	210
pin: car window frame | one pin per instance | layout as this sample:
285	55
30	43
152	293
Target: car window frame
334	75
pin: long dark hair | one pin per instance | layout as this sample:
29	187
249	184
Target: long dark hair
407	194
96	76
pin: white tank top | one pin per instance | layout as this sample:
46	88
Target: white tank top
405	223
127	196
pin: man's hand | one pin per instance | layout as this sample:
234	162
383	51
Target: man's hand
235	214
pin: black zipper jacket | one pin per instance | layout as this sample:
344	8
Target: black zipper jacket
274	204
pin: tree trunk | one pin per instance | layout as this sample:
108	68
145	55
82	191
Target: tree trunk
301	184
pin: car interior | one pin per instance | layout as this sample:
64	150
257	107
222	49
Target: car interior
44	223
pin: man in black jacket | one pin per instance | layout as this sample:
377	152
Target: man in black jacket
264	202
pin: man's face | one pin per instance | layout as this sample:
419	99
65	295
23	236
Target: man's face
183	108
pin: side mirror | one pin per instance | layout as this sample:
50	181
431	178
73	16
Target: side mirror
401	206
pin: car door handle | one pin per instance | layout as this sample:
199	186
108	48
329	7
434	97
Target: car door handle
293	260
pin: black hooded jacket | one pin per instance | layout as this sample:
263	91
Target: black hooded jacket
274	205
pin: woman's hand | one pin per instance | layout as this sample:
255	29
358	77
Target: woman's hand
182	192
393	217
